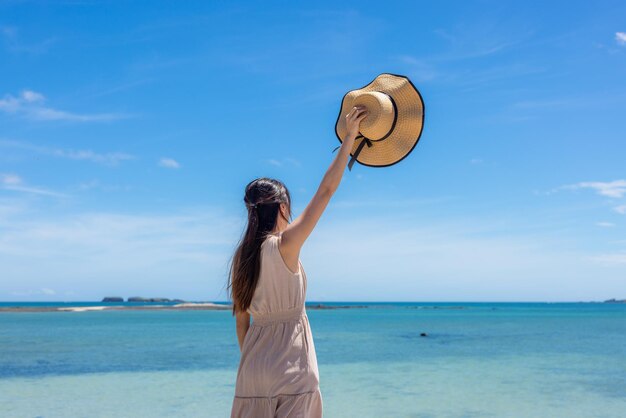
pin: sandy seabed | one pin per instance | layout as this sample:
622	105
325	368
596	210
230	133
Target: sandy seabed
472	388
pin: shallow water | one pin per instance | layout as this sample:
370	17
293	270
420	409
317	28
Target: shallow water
479	360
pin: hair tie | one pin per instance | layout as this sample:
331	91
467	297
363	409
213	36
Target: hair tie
255	205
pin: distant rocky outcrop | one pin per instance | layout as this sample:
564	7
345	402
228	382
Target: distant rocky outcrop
320	306
140	299
615	301
112	299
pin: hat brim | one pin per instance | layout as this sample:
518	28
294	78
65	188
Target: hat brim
407	130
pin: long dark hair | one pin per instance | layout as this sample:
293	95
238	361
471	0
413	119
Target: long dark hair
263	197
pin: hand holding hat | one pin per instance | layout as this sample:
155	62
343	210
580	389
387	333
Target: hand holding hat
353	120
394	122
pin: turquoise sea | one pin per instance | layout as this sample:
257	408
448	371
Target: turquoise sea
478	360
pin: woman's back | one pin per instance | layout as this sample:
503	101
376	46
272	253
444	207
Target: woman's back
278	366
278	288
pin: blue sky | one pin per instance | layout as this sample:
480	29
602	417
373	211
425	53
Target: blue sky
128	131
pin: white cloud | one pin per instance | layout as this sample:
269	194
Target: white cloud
8	31
111	158
614	189
620	37
383	203
288	160
476	161
420	70
605	224
14	44
32	96
13	182
293	161
34	190
10	208
10	179
610	259
549	103
31	105
620	209
33	293
169	163
95	184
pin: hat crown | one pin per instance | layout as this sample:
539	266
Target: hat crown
380	117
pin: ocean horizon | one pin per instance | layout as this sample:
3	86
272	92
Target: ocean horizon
478	359
308	303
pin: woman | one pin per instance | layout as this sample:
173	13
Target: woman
278	375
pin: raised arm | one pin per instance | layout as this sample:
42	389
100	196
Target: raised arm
298	231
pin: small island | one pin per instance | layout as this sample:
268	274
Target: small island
140	299
320	306
615	301
113	299
152	300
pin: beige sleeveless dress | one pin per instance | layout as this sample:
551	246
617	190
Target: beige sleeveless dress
278	375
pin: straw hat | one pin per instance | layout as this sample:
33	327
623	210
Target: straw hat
393	125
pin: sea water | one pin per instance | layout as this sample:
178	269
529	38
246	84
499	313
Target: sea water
477	360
